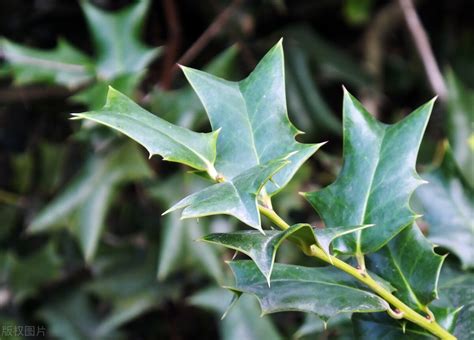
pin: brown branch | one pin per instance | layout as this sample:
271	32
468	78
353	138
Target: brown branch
214	28
420	38
375	39
173	43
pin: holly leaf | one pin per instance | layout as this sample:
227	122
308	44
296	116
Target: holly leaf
447	203
254	121
410	264
63	65
381	326
237	197
377	178
460	122
83	205
173	143
118	54
116	39
262	248
324	291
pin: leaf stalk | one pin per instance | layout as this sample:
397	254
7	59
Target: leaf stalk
408	313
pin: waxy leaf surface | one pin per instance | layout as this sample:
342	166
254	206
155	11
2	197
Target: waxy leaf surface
377	178
262	248
409	263
237	197
324	291
447	203
173	143
254	121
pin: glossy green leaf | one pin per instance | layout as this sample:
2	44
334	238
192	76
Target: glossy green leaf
447	203
324	291
377	178
251	114
83	205
409	263
455	290
243	321
116	37
381	326
262	248
460	123
63	65
173	143
237	197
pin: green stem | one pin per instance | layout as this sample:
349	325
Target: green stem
402	309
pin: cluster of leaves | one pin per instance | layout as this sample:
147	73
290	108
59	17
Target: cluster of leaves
251	155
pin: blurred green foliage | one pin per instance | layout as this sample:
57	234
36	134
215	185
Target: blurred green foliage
83	249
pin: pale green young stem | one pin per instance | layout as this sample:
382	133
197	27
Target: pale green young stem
402	310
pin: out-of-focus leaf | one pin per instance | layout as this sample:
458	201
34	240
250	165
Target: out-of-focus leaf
63	65
116	37
262	248
447	203
172	142
324	291
130	293
94	96
376	180
243	321
305	101
460	125
83	205
182	106
358	11
72	316
178	249
253	117
237	197
26	275
409	263
330	60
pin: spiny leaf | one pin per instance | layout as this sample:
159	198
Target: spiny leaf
381	326
324	291
262	248
64	65
237	197
409	263
447	203
116	38
83	205
377	178
460	122
173	143
253	117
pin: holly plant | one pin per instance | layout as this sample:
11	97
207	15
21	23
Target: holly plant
372	260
